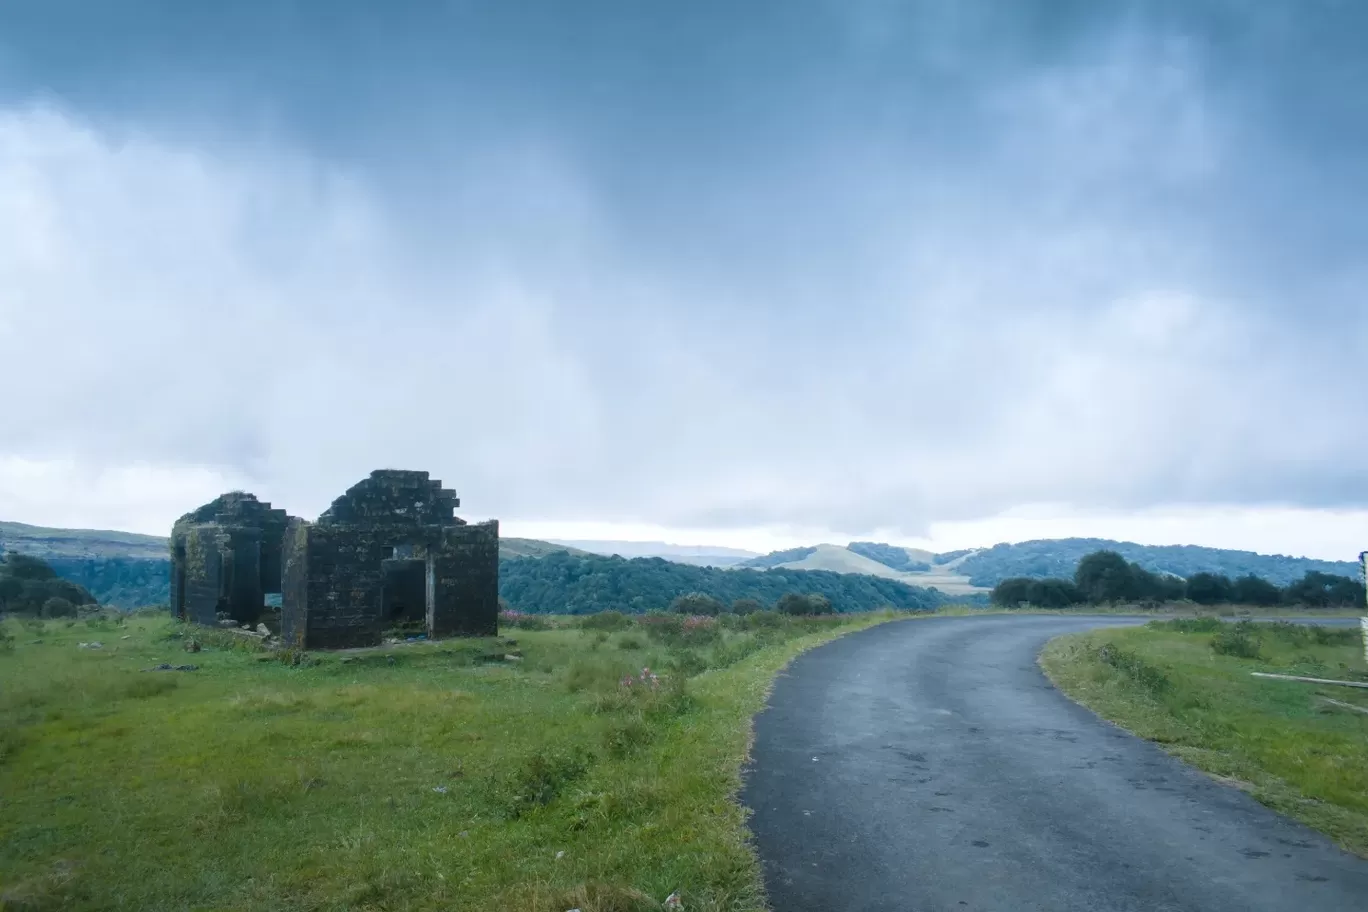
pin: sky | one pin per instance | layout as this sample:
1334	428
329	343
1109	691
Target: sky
934	272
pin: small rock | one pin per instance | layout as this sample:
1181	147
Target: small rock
441	789
90	645
168	667
513	657
126	636
228	622
559	856
192	646
464	834
263	630
390	660
673	901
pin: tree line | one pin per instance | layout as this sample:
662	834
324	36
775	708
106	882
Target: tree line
564	583
29	585
1105	577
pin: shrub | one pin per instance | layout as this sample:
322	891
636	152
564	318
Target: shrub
696	603
621	739
687	662
1188	625
766	620
1134	667
523	620
631	642
58	607
605	620
794	603
673	630
1238	640
540	778
744	606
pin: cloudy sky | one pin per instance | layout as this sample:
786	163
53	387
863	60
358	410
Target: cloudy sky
761	274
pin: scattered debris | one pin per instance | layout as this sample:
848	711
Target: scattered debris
126	636
440	789
464	834
165	666
90	645
560	855
1344	705
673	901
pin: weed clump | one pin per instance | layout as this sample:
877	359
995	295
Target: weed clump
605	620
523	621
1239	640
1130	664
1188	625
541	778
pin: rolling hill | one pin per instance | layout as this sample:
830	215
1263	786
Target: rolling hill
978	570
698	555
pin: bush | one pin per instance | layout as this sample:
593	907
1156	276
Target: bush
696	603
631	642
744	606
524	621
673	630
794	604
622	739
58	607
766	620
1237	640
605	620
540	778
1188	625
1134	667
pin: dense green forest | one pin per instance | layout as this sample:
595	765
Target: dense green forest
120	582
1105	577
28	585
564	583
1058	557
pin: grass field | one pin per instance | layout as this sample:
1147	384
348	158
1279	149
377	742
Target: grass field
520	773
1186	684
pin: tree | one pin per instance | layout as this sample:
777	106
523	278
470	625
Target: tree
1105	576
1210	588
797	604
1254	590
1012	592
744	606
1324	590
27	567
1054	593
697	603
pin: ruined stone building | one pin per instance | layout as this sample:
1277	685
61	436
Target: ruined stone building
389	551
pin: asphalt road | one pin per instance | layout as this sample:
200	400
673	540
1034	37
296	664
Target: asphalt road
929	765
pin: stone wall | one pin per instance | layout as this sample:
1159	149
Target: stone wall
466	581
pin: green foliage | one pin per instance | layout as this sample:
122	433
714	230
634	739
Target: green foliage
1239	640
58	607
744	606
569	584
1210	589
888	555
1046	593
1252	590
28	585
605	620
541	778
1059	557
1145	675
697	603
1322	590
793	603
1105	576
775	558
1188	625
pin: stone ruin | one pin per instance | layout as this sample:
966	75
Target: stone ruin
388	552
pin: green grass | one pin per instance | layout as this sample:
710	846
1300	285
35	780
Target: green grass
429	776
1187	686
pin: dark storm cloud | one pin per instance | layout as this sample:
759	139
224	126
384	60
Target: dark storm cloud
862	264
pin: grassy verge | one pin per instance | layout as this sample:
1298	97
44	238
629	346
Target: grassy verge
522	773
1186	684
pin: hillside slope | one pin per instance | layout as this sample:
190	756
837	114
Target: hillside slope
839	559
40	541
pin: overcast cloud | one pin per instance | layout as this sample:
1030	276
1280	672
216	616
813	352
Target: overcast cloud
745	273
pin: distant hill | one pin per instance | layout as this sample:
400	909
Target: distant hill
46	543
564	583
977	570
700	555
129	570
1059	557
906	565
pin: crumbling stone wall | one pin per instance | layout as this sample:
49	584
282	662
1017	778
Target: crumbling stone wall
391	539
225	557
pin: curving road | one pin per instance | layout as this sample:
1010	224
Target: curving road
929	765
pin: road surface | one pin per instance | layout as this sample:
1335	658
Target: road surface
929	765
